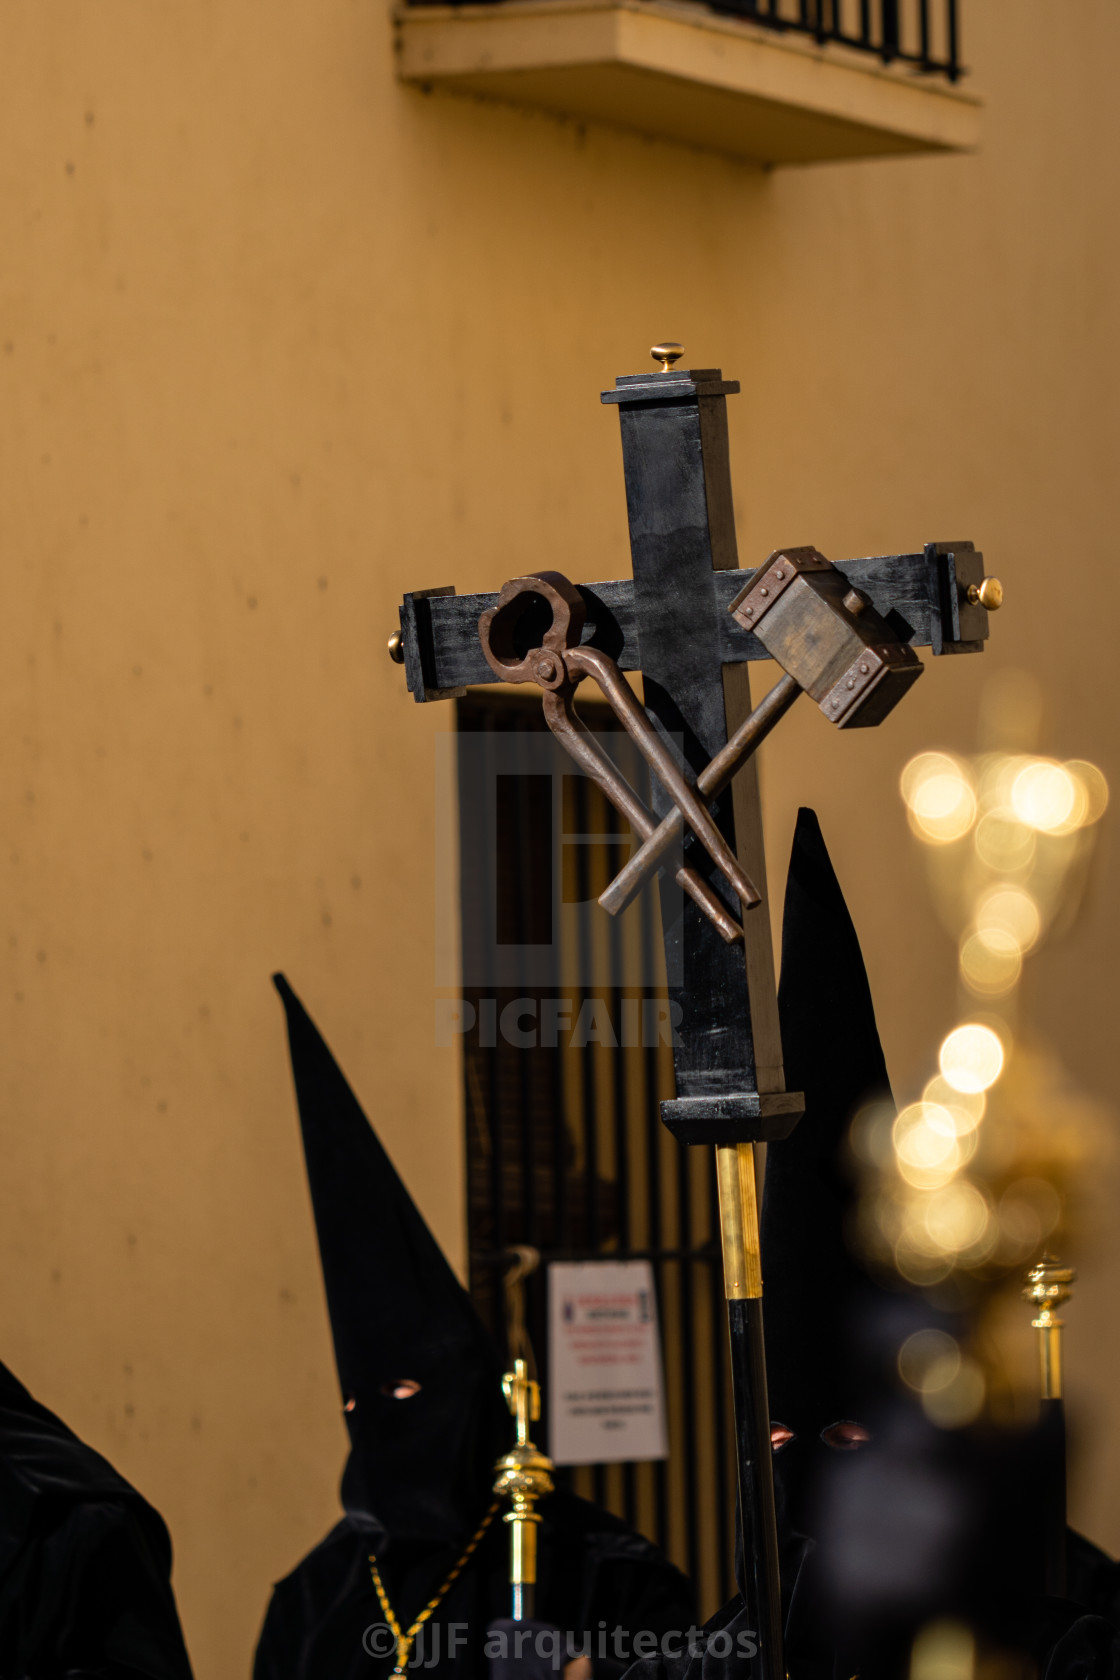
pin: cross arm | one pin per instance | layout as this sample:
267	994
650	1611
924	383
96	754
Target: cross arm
925	597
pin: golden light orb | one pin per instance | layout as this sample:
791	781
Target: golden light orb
870	1135
962	1110
1044	796
929	1359
971	1058
943	1650
960	1401
1011	910
926	1155
957	1218
1095	788
990	962
940	799
1004	843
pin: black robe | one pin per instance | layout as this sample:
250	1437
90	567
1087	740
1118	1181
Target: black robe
85	1562
1073	1638
325	1622
919	1524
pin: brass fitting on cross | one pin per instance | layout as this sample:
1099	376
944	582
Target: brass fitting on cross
738	1222
988	594
1049	1287
667	354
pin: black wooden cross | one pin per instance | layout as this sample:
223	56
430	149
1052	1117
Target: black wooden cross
672	623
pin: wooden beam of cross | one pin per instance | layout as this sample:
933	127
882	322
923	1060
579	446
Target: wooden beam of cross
927	596
673	622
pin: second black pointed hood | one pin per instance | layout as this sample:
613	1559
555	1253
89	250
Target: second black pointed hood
820	1303
420	1376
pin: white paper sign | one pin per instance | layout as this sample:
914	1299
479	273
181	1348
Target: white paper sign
606	1388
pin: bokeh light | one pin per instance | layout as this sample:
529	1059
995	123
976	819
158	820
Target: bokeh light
1095	788
964	1108
943	1650
1010	910
927	1149
991	962
960	1401
1045	796
971	1058
973	1178
959	1219
1003	844
974	1183
871	1135
939	798
1006	837
928	1359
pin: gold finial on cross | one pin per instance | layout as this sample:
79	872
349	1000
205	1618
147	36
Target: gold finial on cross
523	1397
1048	1288
524	1477
667	354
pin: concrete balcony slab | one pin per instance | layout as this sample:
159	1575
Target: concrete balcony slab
675	69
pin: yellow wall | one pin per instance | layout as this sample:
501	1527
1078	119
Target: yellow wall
281	338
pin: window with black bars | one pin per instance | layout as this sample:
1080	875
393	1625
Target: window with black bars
566	1058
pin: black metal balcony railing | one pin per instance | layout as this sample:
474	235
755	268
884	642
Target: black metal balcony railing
922	33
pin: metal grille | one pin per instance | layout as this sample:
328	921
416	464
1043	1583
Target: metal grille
921	33
564	1066
924	34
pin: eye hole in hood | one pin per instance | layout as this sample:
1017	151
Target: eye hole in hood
846	1436
400	1388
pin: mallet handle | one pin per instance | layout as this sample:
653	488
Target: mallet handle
712	780
662	763
570	729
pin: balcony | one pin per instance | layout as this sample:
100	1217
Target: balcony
769	81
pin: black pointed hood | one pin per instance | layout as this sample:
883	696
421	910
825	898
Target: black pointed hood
926	1523
820	1304
422	1457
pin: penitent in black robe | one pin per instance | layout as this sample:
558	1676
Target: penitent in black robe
913	1523
85	1562
421	1385
596	1575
